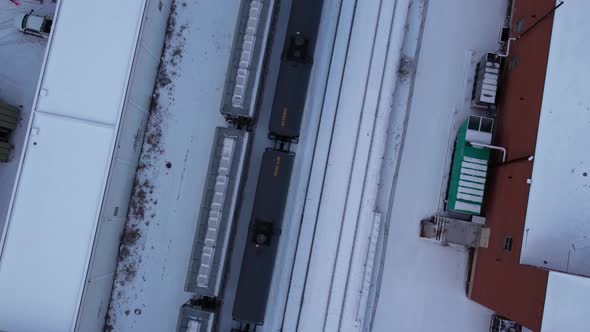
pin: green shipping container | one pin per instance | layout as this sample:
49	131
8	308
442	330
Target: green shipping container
468	174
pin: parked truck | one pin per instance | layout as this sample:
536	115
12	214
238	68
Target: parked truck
35	25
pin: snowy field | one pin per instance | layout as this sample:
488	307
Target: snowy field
327	287
377	117
21	57
149	286
423	284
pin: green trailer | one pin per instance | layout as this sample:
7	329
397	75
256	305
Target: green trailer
8	121
470	166
8	118
4	151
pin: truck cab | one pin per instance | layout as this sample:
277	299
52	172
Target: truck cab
33	25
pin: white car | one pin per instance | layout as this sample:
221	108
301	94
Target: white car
33	25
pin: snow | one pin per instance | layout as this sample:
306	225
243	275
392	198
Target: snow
356	157
340	202
557	230
423	284
566	303
22	57
340	290
149	286
316	143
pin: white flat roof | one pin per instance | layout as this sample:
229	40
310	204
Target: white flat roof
557	230
55	206
566	303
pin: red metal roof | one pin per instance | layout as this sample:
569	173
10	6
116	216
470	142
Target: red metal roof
499	281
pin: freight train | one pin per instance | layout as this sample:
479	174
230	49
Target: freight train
275	173
295	70
212	239
263	237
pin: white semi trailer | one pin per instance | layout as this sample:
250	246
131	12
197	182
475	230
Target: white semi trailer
58	250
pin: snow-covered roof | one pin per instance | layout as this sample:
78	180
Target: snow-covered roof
557	230
62	177
566	303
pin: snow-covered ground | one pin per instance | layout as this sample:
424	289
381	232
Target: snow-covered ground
350	161
423	284
21	57
149	286
327	286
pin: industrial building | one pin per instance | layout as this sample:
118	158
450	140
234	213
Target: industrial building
537	202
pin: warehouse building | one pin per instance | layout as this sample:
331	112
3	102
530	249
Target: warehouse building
538	200
71	196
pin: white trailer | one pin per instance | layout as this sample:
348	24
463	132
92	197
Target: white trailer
193	318
217	213
246	62
58	250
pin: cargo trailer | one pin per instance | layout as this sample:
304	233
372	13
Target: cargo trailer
217	212
470	166
246	62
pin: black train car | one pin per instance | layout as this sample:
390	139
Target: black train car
263	237
295	70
